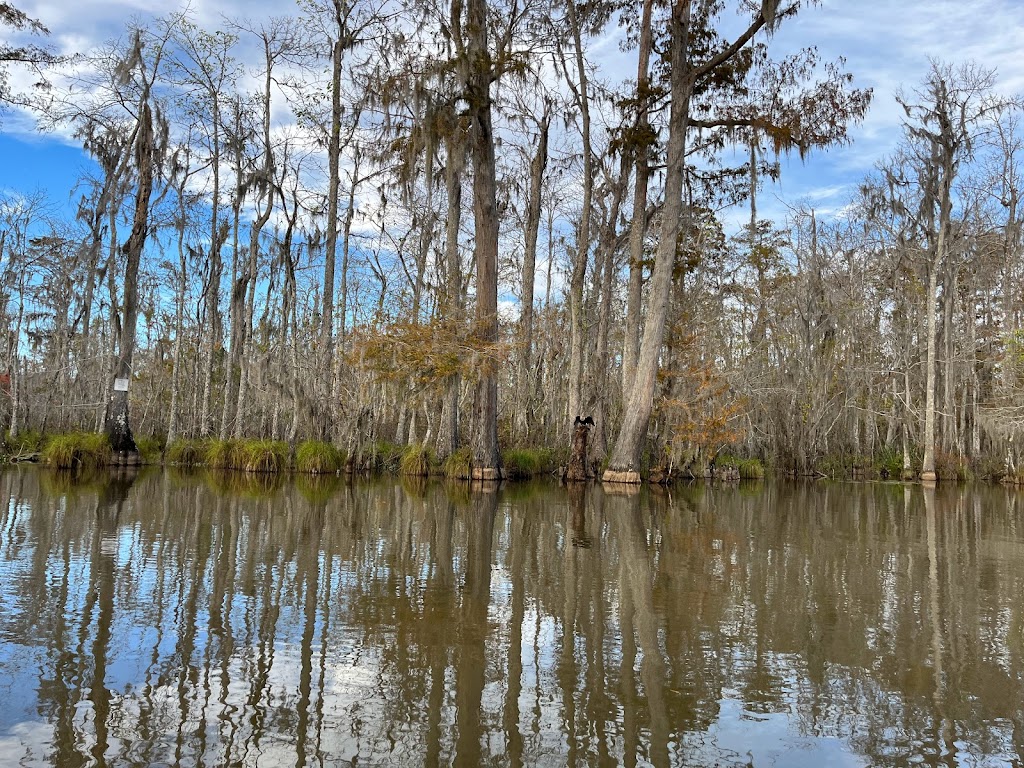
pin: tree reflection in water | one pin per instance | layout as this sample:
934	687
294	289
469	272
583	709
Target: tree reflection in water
186	620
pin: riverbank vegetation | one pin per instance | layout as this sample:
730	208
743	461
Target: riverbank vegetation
90	451
437	269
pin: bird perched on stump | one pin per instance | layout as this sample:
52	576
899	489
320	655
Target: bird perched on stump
587	421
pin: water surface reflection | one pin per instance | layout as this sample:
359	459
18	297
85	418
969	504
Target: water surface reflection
199	621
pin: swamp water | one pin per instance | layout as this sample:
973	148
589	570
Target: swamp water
198	620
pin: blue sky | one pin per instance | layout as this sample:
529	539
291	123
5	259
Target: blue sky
887	44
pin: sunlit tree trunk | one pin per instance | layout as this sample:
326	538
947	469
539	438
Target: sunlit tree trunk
624	465
638	226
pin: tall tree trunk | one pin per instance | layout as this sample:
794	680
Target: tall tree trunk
265	192
331	245
350	213
118	428
975	383
339	355
486	459
638	226
937	263
533	214
212	298
179	314
605	258
239	282
928	462
624	465
949	430
577	319
448	431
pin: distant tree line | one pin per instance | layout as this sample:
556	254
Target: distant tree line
450	225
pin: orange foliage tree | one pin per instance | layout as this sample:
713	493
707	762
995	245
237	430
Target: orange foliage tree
702	411
426	354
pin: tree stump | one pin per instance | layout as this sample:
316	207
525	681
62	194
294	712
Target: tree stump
577	469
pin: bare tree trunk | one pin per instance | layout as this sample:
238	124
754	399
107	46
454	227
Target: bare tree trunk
928	462
343	299
118	428
103	380
265	193
949	430
179	313
239	278
638	227
533	213
975	425
217	238
448	430
605	258
334	179
289	310
577	318
486	459
624	465
18	379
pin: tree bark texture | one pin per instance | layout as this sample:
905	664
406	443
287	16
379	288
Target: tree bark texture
624	465
577	325
533	213
577	469
638	226
486	459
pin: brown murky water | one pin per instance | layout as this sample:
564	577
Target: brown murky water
203	621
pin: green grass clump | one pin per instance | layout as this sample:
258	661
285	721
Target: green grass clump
318	458
416	460
187	453
387	457
95	450
222	454
458	464
265	456
748	469
150	448
520	463
59	451
75	450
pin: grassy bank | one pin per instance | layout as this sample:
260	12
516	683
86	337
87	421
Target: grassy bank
77	450
83	450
